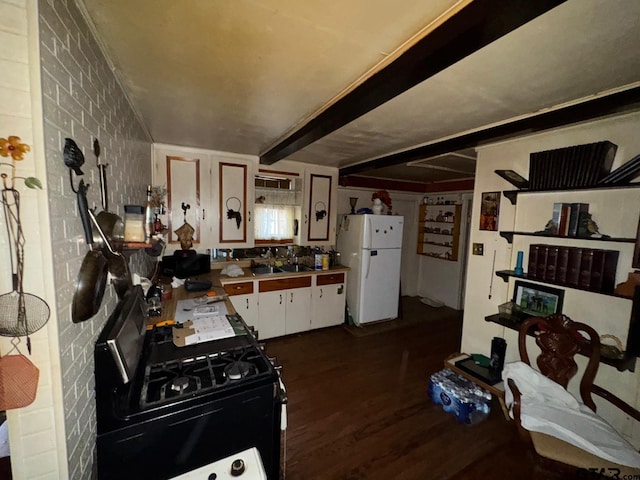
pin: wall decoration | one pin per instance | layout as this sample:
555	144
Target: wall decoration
231	213
489	211
537	300
321	210
320	200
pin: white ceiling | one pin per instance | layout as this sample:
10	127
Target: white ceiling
239	75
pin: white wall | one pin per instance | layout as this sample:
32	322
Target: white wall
36	440
56	83
616	213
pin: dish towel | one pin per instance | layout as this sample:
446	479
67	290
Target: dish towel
546	407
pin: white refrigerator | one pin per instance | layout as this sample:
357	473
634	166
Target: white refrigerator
371	246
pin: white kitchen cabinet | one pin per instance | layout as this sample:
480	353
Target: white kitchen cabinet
245	302
328	300
235	202
318	222
284	306
183	179
210	182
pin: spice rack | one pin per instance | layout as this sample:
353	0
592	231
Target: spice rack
439	231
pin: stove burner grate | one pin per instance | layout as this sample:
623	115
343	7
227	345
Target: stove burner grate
172	380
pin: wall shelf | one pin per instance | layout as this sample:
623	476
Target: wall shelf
628	362
508	236
505	274
512	195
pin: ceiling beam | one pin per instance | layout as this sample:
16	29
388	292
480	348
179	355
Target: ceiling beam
403	186
477	25
614	104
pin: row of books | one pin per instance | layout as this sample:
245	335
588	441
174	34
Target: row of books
586	268
575	166
566	218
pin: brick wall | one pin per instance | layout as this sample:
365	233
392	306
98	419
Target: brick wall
82	99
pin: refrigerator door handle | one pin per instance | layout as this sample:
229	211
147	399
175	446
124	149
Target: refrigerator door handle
367	239
368	264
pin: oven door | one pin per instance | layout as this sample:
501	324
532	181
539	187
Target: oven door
246	465
169	445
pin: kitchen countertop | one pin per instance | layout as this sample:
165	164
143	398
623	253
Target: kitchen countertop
217	285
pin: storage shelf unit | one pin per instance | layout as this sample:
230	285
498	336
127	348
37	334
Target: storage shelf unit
435	216
633	340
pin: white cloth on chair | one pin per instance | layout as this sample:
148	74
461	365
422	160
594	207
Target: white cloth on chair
546	407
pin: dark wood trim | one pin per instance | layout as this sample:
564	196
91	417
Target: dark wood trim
243	288
402	186
278	172
636	251
617	103
312	177
329	279
244	206
284	284
474	27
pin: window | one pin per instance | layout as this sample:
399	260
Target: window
274	223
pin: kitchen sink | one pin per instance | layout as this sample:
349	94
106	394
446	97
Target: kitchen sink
296	268
265	270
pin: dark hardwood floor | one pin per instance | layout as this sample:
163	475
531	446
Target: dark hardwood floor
359	409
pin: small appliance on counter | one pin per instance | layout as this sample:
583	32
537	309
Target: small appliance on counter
183	265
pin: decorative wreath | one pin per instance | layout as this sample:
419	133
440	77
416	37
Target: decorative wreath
320	214
231	213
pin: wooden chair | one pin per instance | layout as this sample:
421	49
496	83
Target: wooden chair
560	339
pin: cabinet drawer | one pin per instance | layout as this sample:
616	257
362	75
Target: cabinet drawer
330	279
239	288
284	283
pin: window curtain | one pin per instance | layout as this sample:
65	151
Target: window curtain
273	222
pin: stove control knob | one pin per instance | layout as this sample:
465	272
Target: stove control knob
213	476
237	467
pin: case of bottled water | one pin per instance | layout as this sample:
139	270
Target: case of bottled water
468	402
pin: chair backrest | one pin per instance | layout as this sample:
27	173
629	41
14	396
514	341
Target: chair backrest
560	339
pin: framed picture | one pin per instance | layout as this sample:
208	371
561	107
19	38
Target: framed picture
514	178
489	211
537	300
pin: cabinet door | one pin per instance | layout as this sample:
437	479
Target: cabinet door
183	196
247	307
297	310
319	208
327	307
318	222
235	200
272	311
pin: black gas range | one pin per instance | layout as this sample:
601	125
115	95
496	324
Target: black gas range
164	410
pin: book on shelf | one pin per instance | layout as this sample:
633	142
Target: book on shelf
573	266
576	209
541	267
552	263
562	264
560	218
586	264
603	270
532	265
